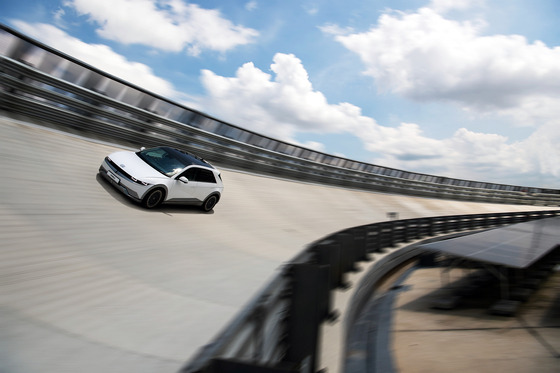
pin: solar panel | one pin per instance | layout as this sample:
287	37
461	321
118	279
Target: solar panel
516	246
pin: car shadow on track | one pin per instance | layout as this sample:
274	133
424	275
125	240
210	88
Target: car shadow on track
166	209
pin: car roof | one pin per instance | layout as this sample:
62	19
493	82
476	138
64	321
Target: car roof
187	158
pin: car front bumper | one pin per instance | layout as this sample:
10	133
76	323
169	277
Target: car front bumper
122	181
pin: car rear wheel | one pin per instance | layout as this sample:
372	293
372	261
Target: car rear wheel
153	198
209	203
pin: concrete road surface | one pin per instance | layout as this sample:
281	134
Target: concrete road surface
91	282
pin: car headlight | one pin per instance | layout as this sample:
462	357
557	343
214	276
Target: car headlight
139	181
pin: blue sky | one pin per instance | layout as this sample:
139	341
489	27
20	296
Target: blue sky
462	88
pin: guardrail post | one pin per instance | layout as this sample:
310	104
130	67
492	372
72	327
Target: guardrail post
423	226
374	238
474	222
309	306
450	224
413	229
328	253
385	235
360	242
407	229
431	229
349	253
486	221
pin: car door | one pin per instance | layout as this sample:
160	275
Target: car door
181	191
206	183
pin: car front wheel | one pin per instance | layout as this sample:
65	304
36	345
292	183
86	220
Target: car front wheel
209	203
153	198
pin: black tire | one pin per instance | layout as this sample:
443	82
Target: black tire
210	202
153	198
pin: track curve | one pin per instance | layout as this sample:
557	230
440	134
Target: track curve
92	282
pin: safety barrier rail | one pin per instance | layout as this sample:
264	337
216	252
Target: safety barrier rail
40	82
278	330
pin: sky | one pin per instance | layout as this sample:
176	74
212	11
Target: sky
461	88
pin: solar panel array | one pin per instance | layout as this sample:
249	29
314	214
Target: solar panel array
516	246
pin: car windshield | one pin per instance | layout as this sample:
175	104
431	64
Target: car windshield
166	160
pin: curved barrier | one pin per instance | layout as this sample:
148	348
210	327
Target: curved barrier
279	329
40	82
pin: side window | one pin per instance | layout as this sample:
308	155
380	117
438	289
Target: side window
206	176
191	174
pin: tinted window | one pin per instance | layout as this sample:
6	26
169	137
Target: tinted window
163	160
200	175
191	173
206	176
169	161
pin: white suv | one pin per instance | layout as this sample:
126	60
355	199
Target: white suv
164	175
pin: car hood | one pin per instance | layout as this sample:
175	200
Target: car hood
134	165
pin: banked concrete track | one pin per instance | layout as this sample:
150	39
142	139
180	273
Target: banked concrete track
90	282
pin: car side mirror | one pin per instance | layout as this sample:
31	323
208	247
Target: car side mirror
184	179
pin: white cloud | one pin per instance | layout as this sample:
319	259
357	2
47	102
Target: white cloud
311	9
58	15
426	57
542	146
281	106
405	143
465	155
491	157
99	56
423	56
170	25
286	104
444	6
334	29
251	5
314	145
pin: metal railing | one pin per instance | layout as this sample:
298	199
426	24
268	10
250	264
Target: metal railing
278	329
40	82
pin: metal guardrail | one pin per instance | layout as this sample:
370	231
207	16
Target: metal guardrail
277	331
40	82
